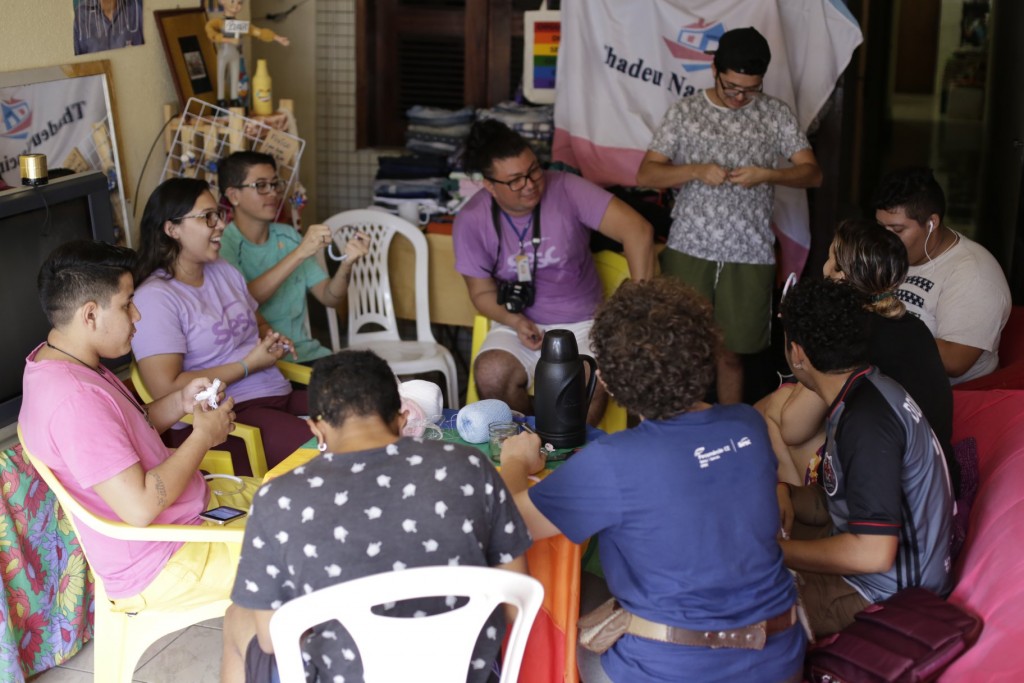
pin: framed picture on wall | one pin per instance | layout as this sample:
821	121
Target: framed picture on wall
191	56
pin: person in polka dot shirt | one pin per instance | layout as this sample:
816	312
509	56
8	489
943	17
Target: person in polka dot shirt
373	502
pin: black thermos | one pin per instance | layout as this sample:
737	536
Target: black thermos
561	394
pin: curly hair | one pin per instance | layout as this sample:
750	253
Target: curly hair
655	343
914	190
353	383
827	318
489	140
874	261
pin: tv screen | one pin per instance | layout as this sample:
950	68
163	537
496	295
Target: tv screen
33	222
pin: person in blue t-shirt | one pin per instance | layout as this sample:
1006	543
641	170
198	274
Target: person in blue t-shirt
275	258
683	505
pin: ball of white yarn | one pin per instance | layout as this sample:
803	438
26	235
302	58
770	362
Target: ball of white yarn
473	419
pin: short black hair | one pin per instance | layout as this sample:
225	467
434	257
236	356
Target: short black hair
655	343
743	50
827	318
232	169
353	383
913	189
489	140
78	272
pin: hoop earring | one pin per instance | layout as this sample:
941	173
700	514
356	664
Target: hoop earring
321	446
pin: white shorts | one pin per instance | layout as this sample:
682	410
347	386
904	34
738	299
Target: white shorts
504	338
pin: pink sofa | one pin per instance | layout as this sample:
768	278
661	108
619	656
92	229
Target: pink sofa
990	569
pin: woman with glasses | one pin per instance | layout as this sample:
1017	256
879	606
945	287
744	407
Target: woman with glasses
721	150
201	320
274	258
523	247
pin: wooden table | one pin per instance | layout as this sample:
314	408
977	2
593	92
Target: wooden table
555	562
449	298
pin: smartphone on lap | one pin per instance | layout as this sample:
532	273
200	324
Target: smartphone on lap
222	514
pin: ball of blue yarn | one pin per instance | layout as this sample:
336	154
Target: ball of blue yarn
473	419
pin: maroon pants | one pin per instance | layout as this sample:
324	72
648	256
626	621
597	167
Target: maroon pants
278	422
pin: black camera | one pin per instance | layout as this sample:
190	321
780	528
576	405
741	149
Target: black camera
515	296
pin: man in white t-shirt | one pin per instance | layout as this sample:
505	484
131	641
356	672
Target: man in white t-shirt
954	284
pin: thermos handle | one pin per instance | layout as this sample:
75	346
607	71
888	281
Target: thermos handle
593	376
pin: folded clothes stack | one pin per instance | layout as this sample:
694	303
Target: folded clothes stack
417	184
411	186
437	131
535	123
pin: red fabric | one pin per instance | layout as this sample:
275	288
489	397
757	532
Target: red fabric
990	569
1010	374
545	652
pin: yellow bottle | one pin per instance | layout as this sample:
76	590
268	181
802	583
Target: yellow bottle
262	101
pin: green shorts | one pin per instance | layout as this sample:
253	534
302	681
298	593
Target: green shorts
741	294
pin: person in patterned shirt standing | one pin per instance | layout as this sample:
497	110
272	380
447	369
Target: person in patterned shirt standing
373	502
722	149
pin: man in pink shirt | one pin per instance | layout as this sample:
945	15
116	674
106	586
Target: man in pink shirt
104	446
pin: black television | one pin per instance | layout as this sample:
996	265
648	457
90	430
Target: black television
34	221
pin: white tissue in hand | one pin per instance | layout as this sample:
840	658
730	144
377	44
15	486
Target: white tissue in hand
210	394
473	419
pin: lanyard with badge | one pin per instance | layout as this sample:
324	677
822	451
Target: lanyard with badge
524	271
515	296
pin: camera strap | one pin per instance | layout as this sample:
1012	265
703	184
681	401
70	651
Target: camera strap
535	240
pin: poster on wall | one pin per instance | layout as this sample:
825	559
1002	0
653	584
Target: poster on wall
541	33
102	25
646	56
69	121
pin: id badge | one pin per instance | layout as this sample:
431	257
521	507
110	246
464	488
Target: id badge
523	268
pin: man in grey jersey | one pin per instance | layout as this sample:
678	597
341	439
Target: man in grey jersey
879	517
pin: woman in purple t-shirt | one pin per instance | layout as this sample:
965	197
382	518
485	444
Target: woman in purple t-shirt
198	319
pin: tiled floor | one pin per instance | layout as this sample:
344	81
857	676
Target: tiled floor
191	655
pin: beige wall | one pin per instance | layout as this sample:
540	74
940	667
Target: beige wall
293	72
142	81
320	78
38	33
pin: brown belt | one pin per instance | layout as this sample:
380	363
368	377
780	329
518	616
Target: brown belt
751	637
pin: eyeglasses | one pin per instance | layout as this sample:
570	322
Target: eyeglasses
519	182
211	216
265	186
735	91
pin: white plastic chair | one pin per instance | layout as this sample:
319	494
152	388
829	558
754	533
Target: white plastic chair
371	314
436	648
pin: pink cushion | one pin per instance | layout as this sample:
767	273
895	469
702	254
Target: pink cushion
990	569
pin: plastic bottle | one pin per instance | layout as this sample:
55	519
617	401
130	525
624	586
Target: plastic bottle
262	100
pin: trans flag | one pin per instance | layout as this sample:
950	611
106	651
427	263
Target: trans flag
622	64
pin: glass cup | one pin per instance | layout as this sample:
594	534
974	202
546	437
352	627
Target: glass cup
497	432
